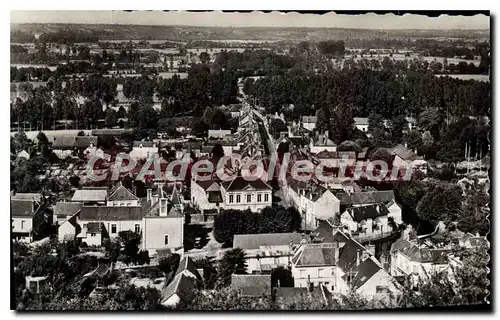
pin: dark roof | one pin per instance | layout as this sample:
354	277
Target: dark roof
325	232
368	212
120	193
206	184
187	264
84	142
181	285
369	197
64	209
336	155
118	213
315	255
94	227
175	198
214	197
255	241
423	255
366	270
251	284
349	254
239	183
27	196
22	208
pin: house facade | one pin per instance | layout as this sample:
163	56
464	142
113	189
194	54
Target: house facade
241	194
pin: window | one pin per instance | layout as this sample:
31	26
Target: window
259	197
249	198
22	224
320	273
238	198
114	204
266	197
231	198
92	234
113	228
166	239
382	289
137	228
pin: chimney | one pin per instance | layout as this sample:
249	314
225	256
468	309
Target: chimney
149	194
289	131
357	257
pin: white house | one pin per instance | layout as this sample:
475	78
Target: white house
206	195
264	252
405	158
69	229
322	142
408	258
241	194
218	134
361	124
367	220
143	150
309	122
121	196
313	201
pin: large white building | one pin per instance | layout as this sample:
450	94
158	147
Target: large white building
242	194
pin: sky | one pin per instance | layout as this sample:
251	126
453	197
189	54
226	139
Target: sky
254	19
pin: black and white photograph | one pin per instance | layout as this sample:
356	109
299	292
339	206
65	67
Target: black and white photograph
250	161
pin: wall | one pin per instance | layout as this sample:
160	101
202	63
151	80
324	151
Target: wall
18	226
155	229
381	278
124	203
95	240
253	205
309	125
199	197
395	212
318	149
124	225
64	229
328	275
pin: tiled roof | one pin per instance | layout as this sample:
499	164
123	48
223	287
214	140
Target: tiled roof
239	183
291	294
181	285
336	155
366	270
27	196
348	255
214	197
325	232
369	197
187	264
144	144
255	241
361	121
106	213
22	208
251	285
120	193
94	227
87	195
207	184
64	209
423	255
315	255
360	213
404	153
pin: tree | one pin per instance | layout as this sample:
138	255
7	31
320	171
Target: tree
349	145
129	242
342	122
382	154
475	213
442	202
113	249
276	127
204	57
232	262
217	151
281	277
169	264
